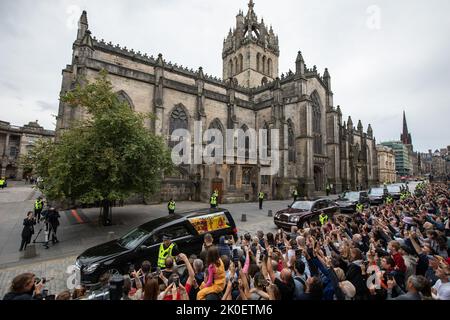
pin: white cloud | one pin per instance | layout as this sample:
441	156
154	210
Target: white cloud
376	74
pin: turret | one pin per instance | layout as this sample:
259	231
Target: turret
83	26
300	64
370	131
349	124
250	52
360	127
327	79
339	112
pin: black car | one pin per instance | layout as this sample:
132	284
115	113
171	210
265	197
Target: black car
377	196
143	242
350	199
300	212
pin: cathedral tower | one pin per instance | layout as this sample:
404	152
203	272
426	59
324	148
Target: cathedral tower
250	51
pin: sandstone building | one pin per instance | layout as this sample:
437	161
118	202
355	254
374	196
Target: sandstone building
18	141
386	164
316	145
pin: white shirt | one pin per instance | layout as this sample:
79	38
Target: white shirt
443	290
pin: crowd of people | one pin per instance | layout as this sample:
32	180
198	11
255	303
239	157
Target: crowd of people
395	251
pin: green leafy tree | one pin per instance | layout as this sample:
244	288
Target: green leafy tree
108	157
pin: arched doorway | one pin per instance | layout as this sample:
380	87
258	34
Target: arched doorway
318	178
217	184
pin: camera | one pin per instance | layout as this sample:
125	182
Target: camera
39	280
156	273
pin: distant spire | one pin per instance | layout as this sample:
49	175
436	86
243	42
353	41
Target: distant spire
406	136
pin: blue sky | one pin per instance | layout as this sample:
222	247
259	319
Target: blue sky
384	56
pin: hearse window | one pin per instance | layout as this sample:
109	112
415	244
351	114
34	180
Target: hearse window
133	238
318	206
176	232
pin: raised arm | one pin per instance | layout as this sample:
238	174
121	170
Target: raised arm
189	268
269	265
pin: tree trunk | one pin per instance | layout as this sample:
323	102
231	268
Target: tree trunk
106	213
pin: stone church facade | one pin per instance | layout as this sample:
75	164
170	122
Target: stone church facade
316	146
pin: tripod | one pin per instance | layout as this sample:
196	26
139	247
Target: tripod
45	243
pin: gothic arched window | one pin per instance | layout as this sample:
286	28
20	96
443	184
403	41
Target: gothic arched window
267	128
317	120
123	97
269	67
178	120
236	65
241	63
264	64
217	124
230	67
291	141
247	142
258	62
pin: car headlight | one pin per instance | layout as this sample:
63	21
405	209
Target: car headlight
91	268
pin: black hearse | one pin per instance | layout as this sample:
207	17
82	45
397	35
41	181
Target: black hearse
142	243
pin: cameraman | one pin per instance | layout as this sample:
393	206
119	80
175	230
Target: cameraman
25	287
52	220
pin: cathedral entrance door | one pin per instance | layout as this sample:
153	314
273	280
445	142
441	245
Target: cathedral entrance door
217	184
318	178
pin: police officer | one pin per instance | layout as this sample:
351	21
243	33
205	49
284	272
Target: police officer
2	183
52	219
213	200
323	218
261	199
38	205
359	207
295	194
328	189
171	206
389	200
166	249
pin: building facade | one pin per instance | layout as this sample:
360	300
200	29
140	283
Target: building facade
316	146
403	162
386	164
17	141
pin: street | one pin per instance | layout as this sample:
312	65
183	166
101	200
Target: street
80	230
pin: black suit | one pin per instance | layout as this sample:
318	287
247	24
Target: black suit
27	232
53	223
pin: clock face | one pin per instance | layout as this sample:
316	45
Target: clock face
158	101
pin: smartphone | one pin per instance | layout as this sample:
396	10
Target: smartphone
132	269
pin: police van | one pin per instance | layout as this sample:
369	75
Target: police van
142	243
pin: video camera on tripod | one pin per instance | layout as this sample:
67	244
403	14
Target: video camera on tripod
46	227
